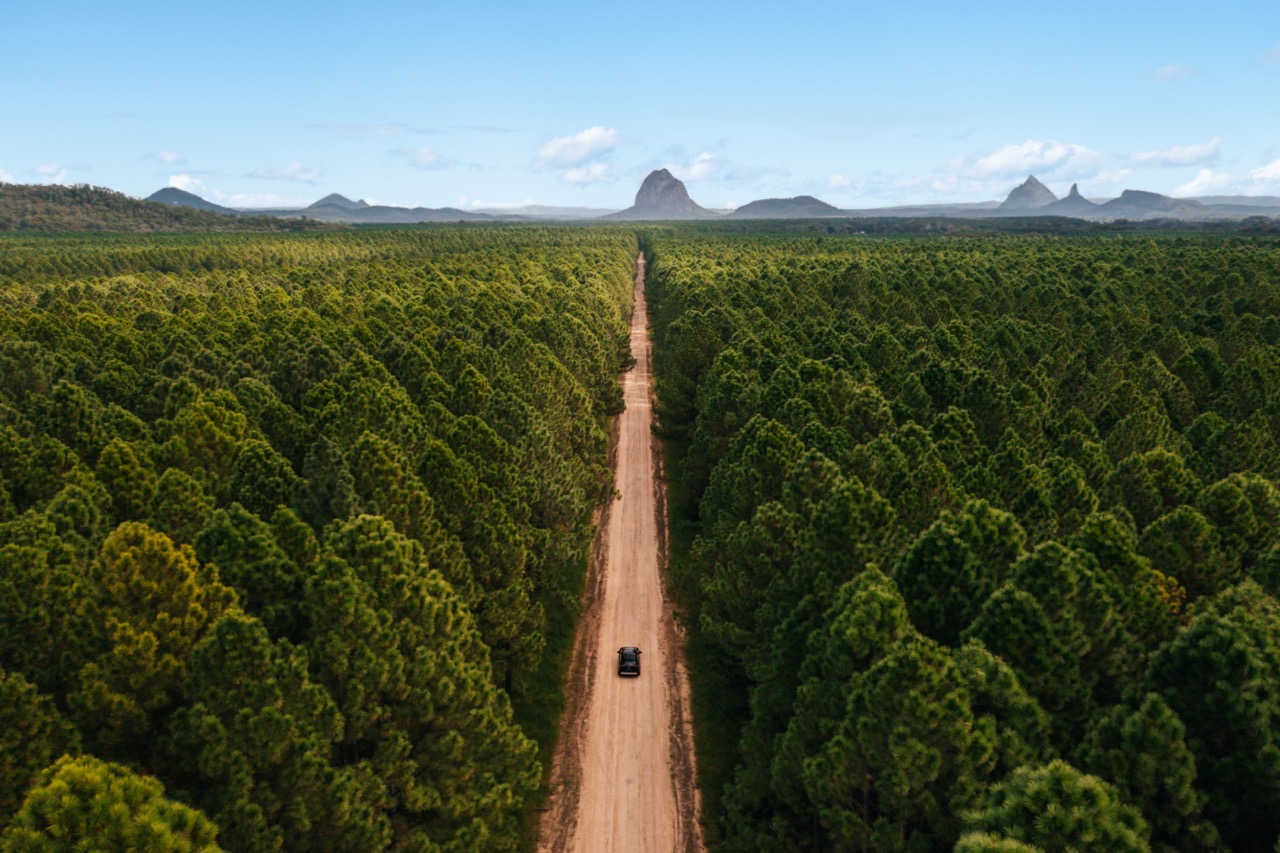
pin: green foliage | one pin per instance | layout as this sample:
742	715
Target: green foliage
1107	404
262	479
398	651
88	804
129	479
954	567
41	593
180	507
33	734
1219	676
248	558
1145	752
248	395
1054	808
256	744
155	602
906	757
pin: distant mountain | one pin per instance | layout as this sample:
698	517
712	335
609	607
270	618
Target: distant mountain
331	208
341	201
1074	205
384	214
663	196
182	198
1137	204
1030	195
800	207
44	207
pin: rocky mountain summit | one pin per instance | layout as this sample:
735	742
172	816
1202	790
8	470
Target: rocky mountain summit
663	196
1029	195
1073	205
339	201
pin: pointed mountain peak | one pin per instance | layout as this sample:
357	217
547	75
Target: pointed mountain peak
1030	195
1075	191
337	200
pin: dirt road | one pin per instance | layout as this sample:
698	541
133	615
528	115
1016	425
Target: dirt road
624	776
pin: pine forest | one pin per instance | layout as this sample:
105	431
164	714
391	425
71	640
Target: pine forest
975	537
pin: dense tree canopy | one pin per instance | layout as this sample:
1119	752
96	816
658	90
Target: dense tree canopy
283	520
965	514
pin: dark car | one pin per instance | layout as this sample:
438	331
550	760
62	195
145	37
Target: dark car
628	660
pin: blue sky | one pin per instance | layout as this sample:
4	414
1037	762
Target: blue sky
573	103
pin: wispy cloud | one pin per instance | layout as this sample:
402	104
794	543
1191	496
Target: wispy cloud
55	173
994	173
1179	155
1048	155
5	177
700	168
422	157
1268	173
579	148
169	158
592	173
839	182
187	184
1167	73
292	172
1264	180
1208	182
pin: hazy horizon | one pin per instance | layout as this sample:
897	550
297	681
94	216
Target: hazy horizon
572	105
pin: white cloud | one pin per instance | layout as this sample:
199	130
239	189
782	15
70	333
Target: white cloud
577	149
839	182
1030	157
592	173
1263	180
187	183
1269	172
1179	155
421	157
292	172
1208	182
55	172
1166	73
699	169
5	177
171	158
994	174
1271	57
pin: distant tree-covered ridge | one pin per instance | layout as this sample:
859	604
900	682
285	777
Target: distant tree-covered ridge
283	519
987	528
56	208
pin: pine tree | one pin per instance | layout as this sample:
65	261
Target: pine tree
33	734
87	804
255	746
399	653
156	601
1054	808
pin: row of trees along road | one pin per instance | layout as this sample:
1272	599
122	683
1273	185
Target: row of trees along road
988	531
282	519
